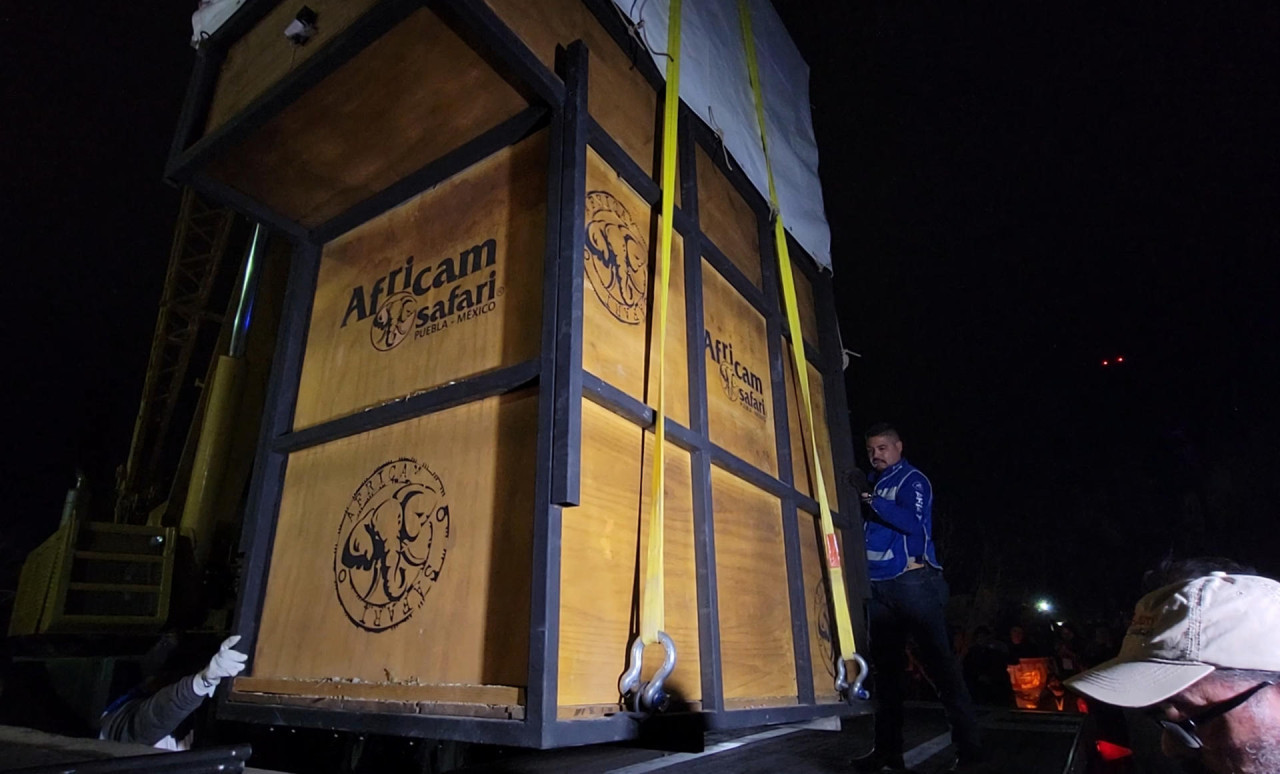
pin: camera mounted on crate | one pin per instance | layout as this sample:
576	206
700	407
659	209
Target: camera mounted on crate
303	27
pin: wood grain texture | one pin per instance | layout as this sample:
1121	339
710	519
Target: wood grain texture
727	219
379	703
454	694
488	220
470	624
621	255
602	541
413	95
264	55
618	96
739	390
801	455
805	306
818	608
757	656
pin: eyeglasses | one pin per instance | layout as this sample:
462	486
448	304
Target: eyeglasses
1185	730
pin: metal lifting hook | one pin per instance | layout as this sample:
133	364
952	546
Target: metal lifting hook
854	691
647	696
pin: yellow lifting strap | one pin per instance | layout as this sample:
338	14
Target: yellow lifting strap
652	595
835	571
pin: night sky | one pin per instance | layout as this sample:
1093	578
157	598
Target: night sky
1016	193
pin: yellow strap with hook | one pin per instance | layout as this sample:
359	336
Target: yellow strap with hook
835	570
652	610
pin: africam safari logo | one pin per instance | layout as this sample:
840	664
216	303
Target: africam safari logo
413	300
616	256
741	384
391	544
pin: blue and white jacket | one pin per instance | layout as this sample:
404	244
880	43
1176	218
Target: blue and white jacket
903	502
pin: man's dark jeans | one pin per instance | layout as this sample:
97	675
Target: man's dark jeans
913	605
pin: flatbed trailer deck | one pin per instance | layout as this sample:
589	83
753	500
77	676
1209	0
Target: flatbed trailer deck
1020	743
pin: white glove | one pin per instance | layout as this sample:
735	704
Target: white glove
225	663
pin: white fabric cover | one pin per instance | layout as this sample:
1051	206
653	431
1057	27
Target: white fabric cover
715	84
210	16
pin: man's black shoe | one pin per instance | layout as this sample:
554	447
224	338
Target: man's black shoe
876	762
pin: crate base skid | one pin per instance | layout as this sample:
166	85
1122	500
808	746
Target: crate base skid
447	517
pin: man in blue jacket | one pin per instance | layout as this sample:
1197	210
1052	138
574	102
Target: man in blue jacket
908	598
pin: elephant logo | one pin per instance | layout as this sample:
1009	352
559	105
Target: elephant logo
821	612
729	381
616	256
391	544
394	321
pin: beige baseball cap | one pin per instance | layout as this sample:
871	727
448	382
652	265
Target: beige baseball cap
1182	632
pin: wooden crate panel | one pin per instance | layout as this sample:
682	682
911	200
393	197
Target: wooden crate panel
802	471
402	555
727	219
599	555
415	94
445	286
486	701
757	656
739	390
805	305
618	96
818	608
620	254
264	55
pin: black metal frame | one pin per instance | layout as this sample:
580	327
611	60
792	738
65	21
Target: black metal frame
560	103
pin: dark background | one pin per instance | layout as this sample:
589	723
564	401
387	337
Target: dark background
1017	191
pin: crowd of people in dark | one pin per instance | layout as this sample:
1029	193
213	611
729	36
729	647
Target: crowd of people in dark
1053	651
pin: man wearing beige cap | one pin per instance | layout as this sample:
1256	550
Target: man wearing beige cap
1204	653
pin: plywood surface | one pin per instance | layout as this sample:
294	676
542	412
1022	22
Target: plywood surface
473	246
602	540
264	55
618	95
802	467
804	304
739	390
395	699
453	694
413	95
619	319
727	219
402	555
757	655
822	651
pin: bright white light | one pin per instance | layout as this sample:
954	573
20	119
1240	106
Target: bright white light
1044	606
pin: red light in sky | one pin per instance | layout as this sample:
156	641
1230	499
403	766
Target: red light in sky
1106	362
1119	360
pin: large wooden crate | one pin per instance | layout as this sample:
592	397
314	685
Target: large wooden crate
444	533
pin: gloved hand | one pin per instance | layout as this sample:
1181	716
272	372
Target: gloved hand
227	662
858	480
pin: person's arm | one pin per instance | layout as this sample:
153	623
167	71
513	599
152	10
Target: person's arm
147	721
905	513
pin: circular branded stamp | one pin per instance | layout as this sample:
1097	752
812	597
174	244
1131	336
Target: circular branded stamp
616	256
820	609
394	321
391	544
